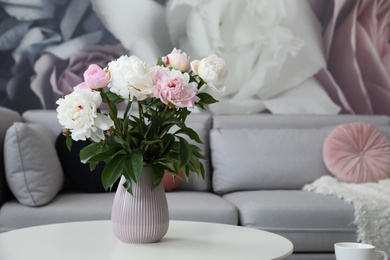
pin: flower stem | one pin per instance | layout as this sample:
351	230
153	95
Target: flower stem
112	113
163	114
139	111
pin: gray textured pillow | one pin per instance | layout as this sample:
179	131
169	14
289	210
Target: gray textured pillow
33	170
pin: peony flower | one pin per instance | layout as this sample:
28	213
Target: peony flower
357	51
177	60
212	70
95	77
78	113
174	89
271	60
131	77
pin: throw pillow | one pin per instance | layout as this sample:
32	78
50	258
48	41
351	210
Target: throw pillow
357	152
32	169
77	172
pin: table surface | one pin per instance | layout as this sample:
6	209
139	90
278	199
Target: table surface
185	240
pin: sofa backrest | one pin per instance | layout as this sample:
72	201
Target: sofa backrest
7	118
201	123
265	151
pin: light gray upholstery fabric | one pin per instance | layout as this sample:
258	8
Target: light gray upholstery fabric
312	222
32	168
7	118
68	207
201	123
294	121
201	206
47	118
273	151
251	159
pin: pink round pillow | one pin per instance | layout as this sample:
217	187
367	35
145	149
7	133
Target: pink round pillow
357	153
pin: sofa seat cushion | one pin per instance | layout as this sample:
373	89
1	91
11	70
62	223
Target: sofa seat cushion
69	207
201	206
312	222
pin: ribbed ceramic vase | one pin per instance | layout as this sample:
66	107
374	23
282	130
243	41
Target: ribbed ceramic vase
144	217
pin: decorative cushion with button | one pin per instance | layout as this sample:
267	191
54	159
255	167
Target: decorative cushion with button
357	152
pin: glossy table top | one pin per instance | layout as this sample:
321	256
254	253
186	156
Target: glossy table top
185	240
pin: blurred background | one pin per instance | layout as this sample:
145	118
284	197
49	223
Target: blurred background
283	56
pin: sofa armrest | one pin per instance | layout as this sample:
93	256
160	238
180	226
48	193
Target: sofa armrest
8	117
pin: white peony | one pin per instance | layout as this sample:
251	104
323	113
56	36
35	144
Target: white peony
131	77
78	113
213	71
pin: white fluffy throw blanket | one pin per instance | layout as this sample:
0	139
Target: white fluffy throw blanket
372	207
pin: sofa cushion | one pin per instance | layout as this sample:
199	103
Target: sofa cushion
252	159
32	168
312	222
68	207
357	152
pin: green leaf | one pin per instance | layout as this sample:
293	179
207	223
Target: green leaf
156	102
168	141
190	133
205	99
184	152
113	112
92	166
184	113
133	165
197	152
160	62
128	109
102	156
128	186
69	142
112	171
114	97
90	150
126	117
172	120
150	142
158	173
128	169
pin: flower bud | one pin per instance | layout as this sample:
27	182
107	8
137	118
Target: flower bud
177	60
95	77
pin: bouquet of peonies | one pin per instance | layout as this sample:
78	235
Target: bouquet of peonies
164	95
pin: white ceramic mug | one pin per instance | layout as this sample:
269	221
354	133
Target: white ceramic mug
357	251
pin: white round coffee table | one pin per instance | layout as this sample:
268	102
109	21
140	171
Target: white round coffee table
94	240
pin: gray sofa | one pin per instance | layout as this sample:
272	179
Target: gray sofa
257	167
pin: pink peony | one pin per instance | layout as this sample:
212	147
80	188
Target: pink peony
95	77
177	60
357	50
174	89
